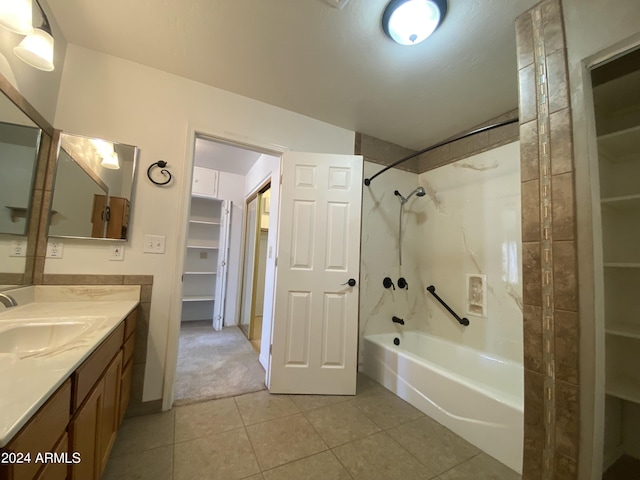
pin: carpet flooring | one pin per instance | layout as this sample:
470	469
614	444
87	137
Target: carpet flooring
215	364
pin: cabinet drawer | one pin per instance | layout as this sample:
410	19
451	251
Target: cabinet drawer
128	349
57	471
40	434
130	324
86	376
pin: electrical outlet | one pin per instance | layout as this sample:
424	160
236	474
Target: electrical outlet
153	244
18	248
55	249
117	253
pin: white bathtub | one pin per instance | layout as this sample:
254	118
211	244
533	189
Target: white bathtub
477	396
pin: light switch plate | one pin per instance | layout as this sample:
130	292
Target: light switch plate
153	244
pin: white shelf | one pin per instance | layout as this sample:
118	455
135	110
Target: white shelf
621	265
624	330
621	146
200	273
625	388
203	247
626	202
198	298
205	197
200	221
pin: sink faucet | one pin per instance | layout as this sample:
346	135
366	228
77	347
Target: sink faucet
395	319
7	300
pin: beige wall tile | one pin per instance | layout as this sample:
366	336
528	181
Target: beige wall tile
563	207
530	201
567	419
565	468
529	161
524	40
533	425
82	279
532	317
469	146
565	295
561	142
527	94
138	280
531	274
552	26
557	81
566	346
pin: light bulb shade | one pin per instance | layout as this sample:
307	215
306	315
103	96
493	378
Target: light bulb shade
409	22
111	161
15	15
36	49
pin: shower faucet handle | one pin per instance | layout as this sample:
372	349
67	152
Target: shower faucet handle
388	283
402	283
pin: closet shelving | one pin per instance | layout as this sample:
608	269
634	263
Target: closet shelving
618	123
201	263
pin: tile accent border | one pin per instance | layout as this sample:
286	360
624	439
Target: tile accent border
385	153
136	405
551	325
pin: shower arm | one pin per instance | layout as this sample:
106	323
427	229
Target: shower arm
367	181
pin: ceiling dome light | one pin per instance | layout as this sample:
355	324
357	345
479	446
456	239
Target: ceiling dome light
15	16
36	49
409	22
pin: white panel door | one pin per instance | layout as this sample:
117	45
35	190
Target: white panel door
315	327
223	260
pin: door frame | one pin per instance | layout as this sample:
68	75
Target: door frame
255	194
175	302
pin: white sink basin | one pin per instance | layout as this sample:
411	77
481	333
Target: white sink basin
35	337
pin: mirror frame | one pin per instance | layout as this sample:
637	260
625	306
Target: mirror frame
34	263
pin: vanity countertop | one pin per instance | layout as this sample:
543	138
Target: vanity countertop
27	380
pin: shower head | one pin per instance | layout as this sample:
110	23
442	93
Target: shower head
418	191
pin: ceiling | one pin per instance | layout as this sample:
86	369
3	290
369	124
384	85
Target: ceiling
224	157
331	64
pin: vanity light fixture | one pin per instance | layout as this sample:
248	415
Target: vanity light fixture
36	49
409	22
15	16
110	161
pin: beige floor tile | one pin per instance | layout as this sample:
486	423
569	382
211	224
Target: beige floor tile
323	466
339	424
262	406
437	447
480	467
206	418
284	440
225	456
154	464
310	402
386	409
257	476
379	457
366	385
138	434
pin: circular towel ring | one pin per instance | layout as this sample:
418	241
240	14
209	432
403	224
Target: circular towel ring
161	164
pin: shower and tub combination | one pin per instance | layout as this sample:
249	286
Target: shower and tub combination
477	394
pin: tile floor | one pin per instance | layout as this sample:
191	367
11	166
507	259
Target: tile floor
259	436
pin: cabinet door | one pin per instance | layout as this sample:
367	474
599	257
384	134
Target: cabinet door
110	412
205	182
85	433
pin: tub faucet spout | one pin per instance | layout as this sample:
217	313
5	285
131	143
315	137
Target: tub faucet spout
7	300
395	319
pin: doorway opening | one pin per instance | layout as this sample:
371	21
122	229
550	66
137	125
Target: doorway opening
255	263
215	357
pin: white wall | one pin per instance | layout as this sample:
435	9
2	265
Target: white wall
267	167
472	226
107	97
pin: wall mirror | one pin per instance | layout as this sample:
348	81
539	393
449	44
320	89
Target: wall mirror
24	140
92	189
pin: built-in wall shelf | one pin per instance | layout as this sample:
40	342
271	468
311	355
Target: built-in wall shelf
621	145
204	222
198	298
624	330
626	388
204	247
625	202
200	273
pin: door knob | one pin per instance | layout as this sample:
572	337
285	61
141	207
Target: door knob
351	282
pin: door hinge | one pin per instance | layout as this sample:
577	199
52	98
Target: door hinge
270	349
276	261
281	179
